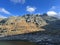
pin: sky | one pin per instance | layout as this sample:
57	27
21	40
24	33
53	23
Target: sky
21	7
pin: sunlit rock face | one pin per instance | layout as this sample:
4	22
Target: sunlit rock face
21	25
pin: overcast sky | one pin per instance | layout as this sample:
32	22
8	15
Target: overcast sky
20	7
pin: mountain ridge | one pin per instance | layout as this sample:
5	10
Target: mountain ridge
25	24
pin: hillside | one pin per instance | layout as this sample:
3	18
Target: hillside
27	24
21	25
41	29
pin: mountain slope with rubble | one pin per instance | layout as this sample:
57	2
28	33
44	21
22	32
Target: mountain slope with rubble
42	29
20	25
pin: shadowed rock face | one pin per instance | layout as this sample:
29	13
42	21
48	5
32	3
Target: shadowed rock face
37	37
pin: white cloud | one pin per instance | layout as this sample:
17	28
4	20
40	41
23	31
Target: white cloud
1	16
58	15
53	8
54	14
51	13
59	12
54	11
18	1
2	10
30	9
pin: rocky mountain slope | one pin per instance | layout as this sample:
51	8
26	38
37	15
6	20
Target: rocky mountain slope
21	24
42	29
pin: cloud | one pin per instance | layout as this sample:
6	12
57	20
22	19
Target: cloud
54	11
18	1
54	14
30	9
2	10
53	8
58	15
1	16
51	13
